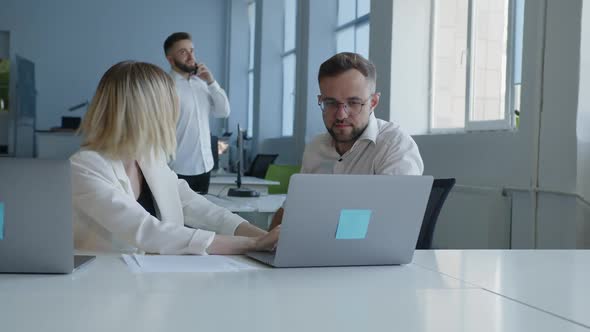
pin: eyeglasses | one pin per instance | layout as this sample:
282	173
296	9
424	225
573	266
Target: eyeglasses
351	107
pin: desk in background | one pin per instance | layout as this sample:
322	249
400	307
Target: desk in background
220	184
257	210
106	296
56	144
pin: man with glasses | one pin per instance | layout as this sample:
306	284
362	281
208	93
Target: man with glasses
199	96
356	142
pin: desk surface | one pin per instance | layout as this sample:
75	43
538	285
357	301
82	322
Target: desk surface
220	184
556	281
106	296
230	179
262	204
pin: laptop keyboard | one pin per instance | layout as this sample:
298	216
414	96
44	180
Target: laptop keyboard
265	257
80	260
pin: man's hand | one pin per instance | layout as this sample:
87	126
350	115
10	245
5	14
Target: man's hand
204	73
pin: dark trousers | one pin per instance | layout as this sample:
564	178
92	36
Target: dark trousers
198	183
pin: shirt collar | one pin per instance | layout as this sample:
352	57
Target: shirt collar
176	76
371	131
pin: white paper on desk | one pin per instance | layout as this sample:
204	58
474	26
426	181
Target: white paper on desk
131	263
184	263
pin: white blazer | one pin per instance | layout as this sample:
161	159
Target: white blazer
108	218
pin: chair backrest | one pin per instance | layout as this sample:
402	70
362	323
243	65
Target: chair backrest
438	195
260	165
282	174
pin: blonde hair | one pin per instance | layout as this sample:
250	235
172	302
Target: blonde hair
133	113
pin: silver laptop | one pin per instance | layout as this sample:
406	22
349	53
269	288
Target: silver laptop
348	220
36	233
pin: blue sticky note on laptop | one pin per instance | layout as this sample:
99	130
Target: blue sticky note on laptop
1	220
353	224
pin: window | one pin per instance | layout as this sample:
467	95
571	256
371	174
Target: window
476	53
251	34
352	33
288	59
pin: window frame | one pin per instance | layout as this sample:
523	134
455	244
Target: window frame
250	71
284	55
509	121
356	23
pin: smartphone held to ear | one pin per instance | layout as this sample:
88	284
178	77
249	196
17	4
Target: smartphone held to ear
196	70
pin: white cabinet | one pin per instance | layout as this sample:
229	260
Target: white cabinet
57	145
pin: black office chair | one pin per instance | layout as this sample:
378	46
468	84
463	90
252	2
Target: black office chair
260	165
438	195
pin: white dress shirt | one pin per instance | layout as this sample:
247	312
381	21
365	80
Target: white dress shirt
381	149
197	101
108	218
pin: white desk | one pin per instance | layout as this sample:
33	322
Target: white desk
220	184
257	210
106	296
556	281
57	145
262	204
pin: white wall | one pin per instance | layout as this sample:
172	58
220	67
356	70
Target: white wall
558	155
238	65
268	69
409	74
460	226
284	147
583	226
583	133
73	42
583	120
317	44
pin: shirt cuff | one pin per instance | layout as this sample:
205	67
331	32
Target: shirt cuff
229	224
214	86
200	241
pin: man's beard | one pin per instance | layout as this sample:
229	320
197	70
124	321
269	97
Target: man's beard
354	134
184	67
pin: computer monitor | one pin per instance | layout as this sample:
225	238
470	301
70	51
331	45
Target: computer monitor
239	191
240	146
215	151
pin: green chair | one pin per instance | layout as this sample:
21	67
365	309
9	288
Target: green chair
282	174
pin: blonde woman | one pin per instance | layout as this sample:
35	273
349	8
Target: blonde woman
125	196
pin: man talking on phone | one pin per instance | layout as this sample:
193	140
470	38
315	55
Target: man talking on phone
199	96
